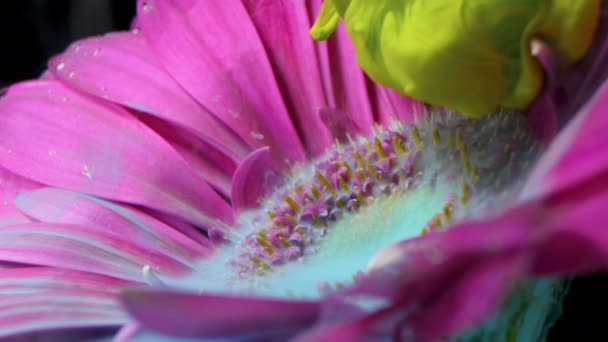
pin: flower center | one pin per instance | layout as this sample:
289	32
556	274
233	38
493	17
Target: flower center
369	192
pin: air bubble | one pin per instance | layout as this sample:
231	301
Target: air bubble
257	135
87	172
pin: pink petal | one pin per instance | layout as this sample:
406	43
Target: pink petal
580	82
468	299
60	206
11	185
35	299
542	117
572	238
430	280
211	164
343	331
121	67
283	28
181	314
340	124
390	105
346	86
101	150
83	248
579	153
253	179
227	70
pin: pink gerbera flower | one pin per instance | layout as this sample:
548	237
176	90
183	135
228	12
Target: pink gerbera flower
240	180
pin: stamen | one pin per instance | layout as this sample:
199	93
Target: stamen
293	204
325	183
416	136
398	145
436	137
379	150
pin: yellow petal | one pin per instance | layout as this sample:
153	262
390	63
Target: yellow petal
468	55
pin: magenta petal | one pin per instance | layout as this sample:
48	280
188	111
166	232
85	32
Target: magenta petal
340	124
34	299
542	117
120	67
213	165
393	106
60	206
467	299
343	331
345	84
181	314
82	248
579	82
430	279
283	27
227	69
253	179
11	185
579	153
100	150
573	239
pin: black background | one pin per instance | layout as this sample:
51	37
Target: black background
33	30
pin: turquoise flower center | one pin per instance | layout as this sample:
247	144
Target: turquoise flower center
323	225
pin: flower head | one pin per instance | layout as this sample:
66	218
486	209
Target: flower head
241	180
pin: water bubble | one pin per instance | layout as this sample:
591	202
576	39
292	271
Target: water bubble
136	30
60	66
86	171
71	74
257	135
96	52
146	5
76	48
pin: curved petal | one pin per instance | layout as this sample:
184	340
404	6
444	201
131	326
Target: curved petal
572	239
253	179
228	71
211	164
576	85
85	249
579	153
121	68
182	314
61	206
40	298
430	280
11	185
101	150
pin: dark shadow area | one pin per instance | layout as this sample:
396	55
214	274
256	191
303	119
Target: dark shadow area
34	30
